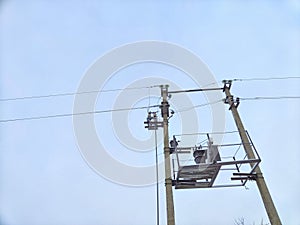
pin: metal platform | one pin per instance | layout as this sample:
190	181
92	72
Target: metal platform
196	176
202	172
204	175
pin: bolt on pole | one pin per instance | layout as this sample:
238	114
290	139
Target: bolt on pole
261	184
168	180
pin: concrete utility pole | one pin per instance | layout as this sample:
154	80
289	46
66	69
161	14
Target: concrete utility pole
261	184
168	180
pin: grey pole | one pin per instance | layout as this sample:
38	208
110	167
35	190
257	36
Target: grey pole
261	184
168	179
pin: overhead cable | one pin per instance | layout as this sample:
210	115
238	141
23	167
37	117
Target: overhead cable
72	93
265	78
73	114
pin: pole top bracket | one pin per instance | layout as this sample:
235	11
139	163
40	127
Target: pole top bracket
232	101
227	84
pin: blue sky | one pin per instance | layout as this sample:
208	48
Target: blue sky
47	46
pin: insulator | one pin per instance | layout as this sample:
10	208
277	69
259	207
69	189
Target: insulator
198	153
199	156
199	159
173	145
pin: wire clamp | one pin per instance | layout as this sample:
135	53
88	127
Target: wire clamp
232	101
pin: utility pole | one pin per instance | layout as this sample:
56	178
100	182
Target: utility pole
168	180
261	184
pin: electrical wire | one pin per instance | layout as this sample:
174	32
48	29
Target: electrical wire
269	98
237	150
72	93
205	133
135	88
149	99
265	78
73	114
144	107
96	112
213	83
198	106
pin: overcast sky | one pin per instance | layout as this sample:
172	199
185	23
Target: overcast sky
47	47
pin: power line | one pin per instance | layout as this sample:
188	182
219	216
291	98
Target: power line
242	99
198	106
73	114
134	88
72	93
265	78
144	107
269	98
205	133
